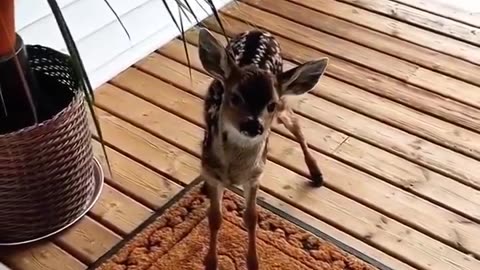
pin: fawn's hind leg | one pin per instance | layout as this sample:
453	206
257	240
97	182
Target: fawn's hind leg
215	193
287	117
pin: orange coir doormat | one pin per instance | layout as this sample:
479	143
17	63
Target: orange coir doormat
176	238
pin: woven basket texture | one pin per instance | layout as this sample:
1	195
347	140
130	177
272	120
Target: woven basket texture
46	170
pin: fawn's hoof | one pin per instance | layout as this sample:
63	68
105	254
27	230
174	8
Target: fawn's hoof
317	179
211	262
204	189
252	263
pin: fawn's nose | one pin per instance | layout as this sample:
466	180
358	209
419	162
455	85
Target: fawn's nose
251	127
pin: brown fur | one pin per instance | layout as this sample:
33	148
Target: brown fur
240	107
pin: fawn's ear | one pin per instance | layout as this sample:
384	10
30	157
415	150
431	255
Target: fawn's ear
214	57
303	78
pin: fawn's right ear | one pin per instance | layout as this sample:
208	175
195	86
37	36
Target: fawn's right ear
301	79
214	57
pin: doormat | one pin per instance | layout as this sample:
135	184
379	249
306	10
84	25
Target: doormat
176	238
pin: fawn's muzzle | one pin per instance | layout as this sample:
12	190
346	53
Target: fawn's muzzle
251	128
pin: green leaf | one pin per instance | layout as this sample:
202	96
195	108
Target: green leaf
191	11
118	18
201	6
217	17
185	7
78	69
182	33
77	64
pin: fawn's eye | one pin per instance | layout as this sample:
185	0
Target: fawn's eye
271	107
235	100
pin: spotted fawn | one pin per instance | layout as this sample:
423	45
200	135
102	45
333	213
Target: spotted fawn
247	94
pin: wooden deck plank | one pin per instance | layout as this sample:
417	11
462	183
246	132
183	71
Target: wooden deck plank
402	117
40	256
334	232
177	164
420	181
355	53
119	212
407	148
376	254
397	29
344	29
152	144
428	127
394	126
369	80
131	178
274	172
87	240
322	41
354	124
402	143
451	10
294	161
130	81
420	18
402	173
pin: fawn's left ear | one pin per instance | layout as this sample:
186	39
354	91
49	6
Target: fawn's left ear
215	59
301	79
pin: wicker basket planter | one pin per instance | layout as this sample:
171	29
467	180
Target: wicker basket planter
47	170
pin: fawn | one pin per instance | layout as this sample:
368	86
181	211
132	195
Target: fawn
247	94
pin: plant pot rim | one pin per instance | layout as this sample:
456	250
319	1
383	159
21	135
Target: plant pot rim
78	97
18	47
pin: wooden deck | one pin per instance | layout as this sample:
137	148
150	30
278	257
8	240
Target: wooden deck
395	126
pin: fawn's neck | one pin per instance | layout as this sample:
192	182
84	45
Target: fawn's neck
235	160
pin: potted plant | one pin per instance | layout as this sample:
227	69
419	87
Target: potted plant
47	167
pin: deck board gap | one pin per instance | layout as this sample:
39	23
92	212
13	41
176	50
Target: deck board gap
439	8
340	56
350	163
459	54
379	34
391	80
296	170
107	99
444	172
394	16
138	125
378	145
78	249
369	115
121	151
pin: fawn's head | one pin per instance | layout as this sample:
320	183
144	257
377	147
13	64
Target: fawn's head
251	94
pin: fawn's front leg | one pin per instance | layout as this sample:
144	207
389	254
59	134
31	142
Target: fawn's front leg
287	117
215	193
250	219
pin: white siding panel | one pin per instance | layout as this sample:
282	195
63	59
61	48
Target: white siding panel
157	37
102	42
29	11
83	18
122	6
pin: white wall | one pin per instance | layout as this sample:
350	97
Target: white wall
102	42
